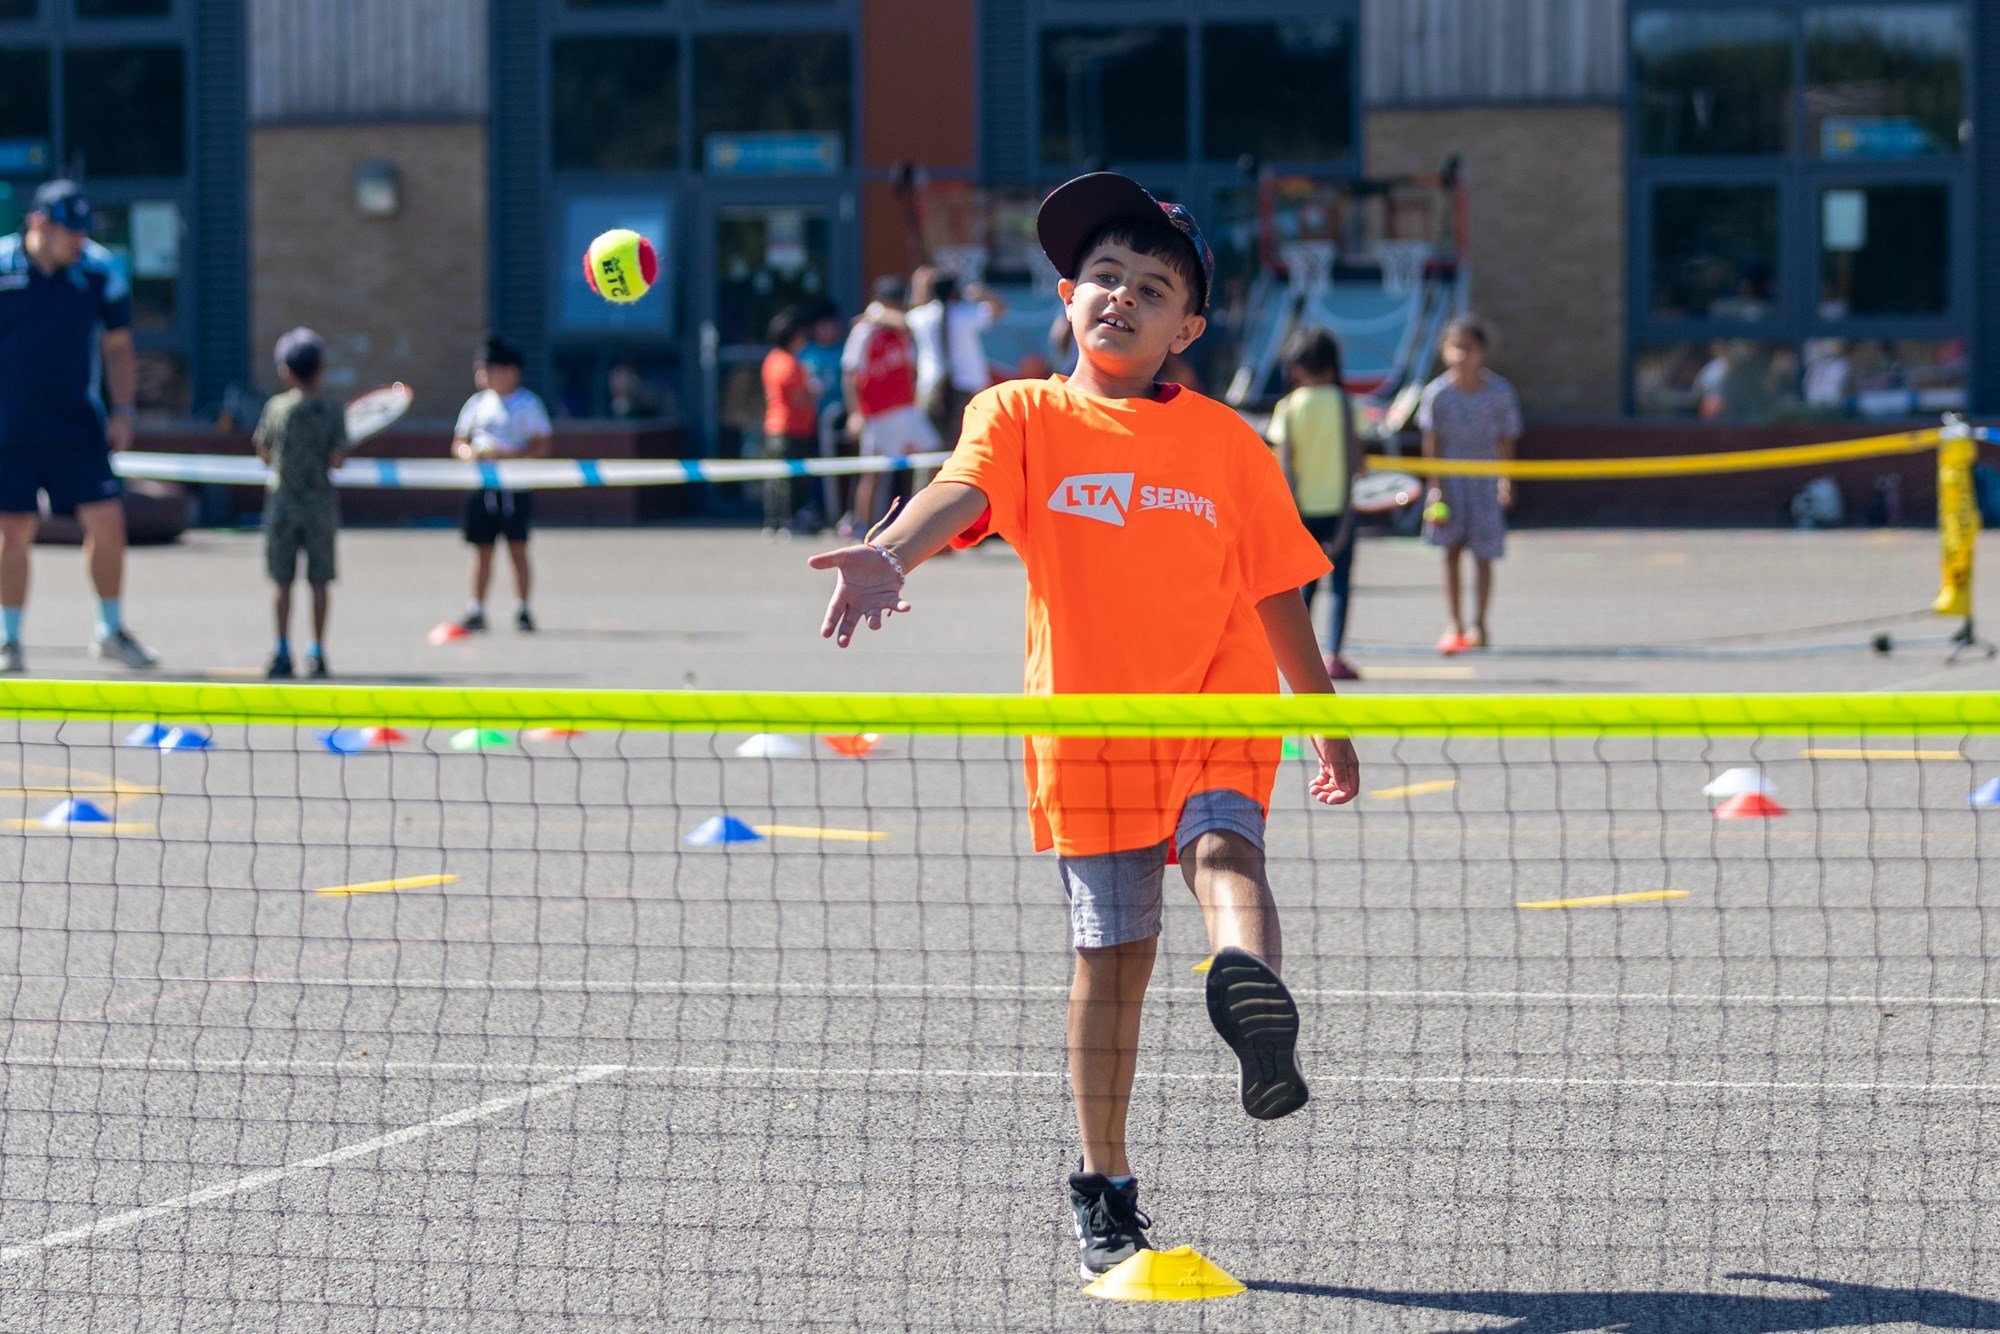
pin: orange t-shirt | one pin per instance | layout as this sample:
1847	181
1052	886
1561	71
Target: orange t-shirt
789	402
1151	528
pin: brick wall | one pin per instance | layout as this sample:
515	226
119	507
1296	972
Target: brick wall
1548	237
401	298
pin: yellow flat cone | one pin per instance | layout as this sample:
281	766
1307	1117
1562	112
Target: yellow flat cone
1182	1274
1202	967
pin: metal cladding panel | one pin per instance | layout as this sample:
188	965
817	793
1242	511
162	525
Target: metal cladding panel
219	229
1418	52
517	144
367	59
1006	138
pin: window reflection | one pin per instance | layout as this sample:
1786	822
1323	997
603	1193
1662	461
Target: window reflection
125	110
1885	250
1712	82
1746	381
1114	94
617	103
1278	90
1715	251
1885	83
791	82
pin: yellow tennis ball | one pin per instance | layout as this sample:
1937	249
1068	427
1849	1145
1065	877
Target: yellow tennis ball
621	266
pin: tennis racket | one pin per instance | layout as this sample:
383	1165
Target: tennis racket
1380	492
375	411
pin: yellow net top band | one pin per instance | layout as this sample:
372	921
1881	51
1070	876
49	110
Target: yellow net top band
1077	715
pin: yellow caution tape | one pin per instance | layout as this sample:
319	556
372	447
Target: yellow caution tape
1673	465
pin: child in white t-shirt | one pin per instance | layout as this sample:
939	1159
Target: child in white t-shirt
502	420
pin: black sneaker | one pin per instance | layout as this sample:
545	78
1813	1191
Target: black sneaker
524	622
472	621
1109	1227
280	668
316	666
1256	1015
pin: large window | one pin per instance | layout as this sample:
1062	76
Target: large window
123	9
1712	82
1801	200
1885	83
124	111
1278	90
24	94
798	85
1114	94
17	9
617	103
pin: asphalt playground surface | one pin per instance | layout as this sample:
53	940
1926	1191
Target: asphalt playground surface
602	1079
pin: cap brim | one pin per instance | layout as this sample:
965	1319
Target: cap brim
1074	212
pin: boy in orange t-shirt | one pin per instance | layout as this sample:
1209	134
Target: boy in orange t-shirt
1164	555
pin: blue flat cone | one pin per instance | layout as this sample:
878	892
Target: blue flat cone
723	829
1987	794
75	811
183	738
147	734
345	740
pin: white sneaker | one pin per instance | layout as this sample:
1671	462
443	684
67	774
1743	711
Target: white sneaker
120	645
11	658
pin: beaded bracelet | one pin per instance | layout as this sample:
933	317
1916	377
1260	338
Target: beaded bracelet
901	576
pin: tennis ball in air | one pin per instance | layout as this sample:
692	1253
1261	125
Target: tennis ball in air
621	265
1437	512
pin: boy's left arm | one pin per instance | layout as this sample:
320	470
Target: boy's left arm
1289	630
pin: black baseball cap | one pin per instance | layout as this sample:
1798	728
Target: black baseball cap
63	203
1077	210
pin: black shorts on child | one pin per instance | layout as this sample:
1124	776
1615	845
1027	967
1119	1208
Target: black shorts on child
491	515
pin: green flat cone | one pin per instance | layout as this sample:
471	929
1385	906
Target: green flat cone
481	738
1291	749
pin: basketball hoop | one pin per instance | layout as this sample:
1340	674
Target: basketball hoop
1308	264
1402	265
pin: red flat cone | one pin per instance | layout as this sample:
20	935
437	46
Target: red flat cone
382	736
1748	806
551	733
853	746
447	632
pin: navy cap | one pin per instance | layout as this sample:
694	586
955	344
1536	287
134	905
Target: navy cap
62	203
1077	210
301	351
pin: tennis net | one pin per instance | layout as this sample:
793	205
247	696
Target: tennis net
418	1009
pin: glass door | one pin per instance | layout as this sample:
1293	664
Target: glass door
766	258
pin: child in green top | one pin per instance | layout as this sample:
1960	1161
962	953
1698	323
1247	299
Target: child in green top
1313	432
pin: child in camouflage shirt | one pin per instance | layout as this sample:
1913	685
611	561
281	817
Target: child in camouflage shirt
303	437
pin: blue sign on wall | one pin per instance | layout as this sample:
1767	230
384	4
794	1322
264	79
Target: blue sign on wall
1874	137
773	154
24	157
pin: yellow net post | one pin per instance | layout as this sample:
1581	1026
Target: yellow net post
1958	532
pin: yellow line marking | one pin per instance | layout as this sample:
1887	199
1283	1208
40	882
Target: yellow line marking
115	827
813	831
1202	967
1668	559
1415	789
1417	673
383	886
1599	900
1836	753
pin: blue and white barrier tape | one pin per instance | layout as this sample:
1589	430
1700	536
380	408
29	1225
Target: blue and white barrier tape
511	474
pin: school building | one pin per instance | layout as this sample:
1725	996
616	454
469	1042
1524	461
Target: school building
1739	210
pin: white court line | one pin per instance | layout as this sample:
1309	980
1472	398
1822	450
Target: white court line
387	1069
258	1180
1002	990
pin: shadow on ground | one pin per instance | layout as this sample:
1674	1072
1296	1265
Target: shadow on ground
1833	1306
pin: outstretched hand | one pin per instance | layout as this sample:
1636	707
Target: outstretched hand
866	587
1339	779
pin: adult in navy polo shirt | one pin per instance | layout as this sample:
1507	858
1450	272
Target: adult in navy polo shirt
65	320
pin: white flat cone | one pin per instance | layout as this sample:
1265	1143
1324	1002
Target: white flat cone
770	746
1740	782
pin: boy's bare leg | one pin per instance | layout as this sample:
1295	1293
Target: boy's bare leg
282	604
319	611
104	545
517	553
1105	997
1226	874
1482	586
1453	602
482	573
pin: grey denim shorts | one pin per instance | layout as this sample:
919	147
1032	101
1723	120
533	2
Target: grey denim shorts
1116	897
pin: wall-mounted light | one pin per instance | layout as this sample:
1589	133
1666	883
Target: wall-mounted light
378	192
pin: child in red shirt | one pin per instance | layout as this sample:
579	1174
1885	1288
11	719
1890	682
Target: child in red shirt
1164	554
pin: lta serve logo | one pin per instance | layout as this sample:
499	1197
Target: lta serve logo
1107	497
